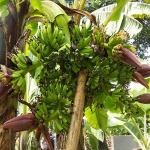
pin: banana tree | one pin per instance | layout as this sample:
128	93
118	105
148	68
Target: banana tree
75	67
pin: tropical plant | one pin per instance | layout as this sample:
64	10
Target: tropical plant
136	123
69	63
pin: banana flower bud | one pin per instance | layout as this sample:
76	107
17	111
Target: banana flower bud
20	123
144	71
140	79
130	58
144	98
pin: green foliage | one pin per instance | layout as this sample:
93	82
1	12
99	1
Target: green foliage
96	117
93	142
61	49
147	1
36	4
3	9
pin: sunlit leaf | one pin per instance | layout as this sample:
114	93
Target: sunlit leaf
125	21
118	9
147	1
99	134
3	9
109	103
36	4
96	117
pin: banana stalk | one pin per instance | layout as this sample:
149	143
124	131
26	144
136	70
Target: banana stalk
76	120
46	135
37	136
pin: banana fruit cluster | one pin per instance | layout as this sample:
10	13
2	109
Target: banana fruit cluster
22	62
49	38
55	106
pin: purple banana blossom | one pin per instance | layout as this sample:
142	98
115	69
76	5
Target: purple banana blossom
144	98
130	58
144	71
20	123
140	79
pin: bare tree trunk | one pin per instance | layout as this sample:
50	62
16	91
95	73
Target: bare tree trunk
61	141
10	30
76	120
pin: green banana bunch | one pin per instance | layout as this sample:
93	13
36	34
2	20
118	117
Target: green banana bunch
57	14
18	81
49	38
99	35
130	47
42	111
20	59
62	123
118	38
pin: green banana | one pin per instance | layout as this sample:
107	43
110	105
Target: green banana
56	46
84	31
45	34
38	116
21	57
50	98
23	86
55	32
22	66
65	126
40	108
81	44
44	108
58	125
59	36
53	42
64	89
58	88
33	47
62	23
86	41
40	35
14	82
69	94
118	38
47	50
20	81
55	114
77	31
88	51
16	73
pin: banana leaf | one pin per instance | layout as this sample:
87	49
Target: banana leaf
132	127
126	20
93	142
